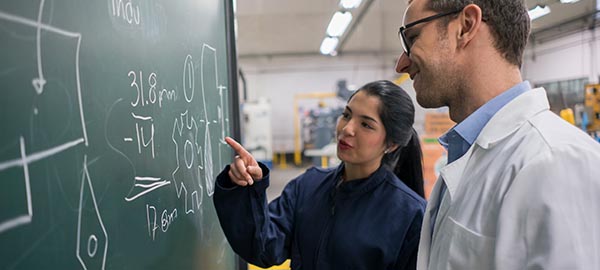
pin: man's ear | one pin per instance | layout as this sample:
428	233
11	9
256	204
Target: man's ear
470	22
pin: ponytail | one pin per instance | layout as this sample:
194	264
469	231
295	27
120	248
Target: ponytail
408	166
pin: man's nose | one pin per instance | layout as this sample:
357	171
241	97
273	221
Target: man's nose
403	63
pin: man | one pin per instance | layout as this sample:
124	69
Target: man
522	187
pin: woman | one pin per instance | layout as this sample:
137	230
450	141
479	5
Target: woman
359	215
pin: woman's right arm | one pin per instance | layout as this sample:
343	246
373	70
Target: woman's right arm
260	233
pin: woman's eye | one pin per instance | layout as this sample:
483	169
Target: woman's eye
364	124
345	115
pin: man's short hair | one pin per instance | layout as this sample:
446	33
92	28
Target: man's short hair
508	20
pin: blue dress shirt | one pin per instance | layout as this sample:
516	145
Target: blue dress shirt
460	138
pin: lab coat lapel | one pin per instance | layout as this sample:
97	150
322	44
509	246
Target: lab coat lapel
425	240
451	175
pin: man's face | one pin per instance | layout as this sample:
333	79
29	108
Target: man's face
431	65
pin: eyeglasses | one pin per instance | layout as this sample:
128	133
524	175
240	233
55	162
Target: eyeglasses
406	44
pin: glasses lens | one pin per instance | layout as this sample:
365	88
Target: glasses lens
405	45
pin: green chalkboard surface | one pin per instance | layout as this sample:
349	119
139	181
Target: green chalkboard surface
112	119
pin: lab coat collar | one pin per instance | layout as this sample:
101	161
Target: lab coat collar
506	121
512	116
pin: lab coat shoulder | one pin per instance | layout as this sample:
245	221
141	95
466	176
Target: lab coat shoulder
549	212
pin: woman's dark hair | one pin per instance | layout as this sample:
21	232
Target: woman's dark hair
397	113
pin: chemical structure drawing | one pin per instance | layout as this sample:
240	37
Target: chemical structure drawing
187	151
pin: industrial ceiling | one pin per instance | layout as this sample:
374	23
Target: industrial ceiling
273	28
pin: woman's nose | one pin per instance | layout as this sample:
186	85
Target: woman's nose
348	129
403	63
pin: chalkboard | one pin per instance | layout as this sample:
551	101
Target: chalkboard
112	119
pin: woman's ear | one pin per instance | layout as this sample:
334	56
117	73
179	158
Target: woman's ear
391	148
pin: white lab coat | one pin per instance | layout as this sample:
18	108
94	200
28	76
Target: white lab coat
526	195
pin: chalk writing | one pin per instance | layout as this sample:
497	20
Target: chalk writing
188	78
149	96
146	184
126	10
185	138
90	229
143	141
154	224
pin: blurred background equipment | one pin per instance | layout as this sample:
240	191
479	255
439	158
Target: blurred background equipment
580	108
319	131
434	155
592	109
256	130
314	122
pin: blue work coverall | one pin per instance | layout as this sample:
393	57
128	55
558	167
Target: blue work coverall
371	223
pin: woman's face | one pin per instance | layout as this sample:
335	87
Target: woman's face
360	132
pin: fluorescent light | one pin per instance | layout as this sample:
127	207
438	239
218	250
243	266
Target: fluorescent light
569	1
350	4
538	11
338	23
328	46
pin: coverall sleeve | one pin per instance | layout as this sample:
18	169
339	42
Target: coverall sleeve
550	217
407	258
260	233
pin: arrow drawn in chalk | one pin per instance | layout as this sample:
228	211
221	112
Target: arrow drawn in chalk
39	82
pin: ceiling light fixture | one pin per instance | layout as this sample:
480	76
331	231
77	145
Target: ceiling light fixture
338	24
538	11
350	4
328	46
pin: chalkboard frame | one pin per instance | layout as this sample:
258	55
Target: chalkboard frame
233	85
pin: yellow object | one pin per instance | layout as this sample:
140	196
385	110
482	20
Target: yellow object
282	161
402	78
324	161
284	266
592	106
567	114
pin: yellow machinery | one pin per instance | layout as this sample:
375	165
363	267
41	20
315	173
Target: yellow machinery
592	106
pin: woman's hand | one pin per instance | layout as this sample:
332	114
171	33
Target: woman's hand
244	169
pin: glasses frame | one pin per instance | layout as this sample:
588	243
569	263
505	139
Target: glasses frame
403	28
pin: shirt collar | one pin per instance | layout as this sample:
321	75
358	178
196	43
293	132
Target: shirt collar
469	129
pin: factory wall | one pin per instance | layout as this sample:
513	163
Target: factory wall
279	79
570	57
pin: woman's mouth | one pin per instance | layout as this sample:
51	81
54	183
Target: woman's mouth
342	145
